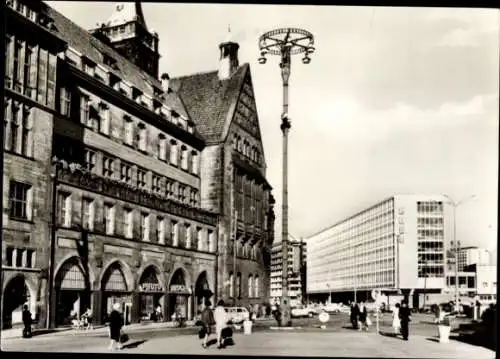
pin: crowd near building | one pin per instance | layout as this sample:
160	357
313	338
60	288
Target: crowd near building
297	256
121	185
401	246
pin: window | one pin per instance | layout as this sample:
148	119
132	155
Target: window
194	162
156	184
238	284
199	239
64	101
51	81
84	109
174	153
126	173
105	116
107	167
188	235
145	227
128	130
20	196
88	214
17	66
184	158
65	206
141	179
90	160
128	219
231	284
169	190
89	68
250	286
174	234
181	193
162	148
42	75
109	218
211	241
142	136
160	230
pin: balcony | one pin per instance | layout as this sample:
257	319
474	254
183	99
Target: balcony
124	192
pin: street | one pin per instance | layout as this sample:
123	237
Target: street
338	339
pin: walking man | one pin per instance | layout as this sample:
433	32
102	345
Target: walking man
405	317
115	327
354	315
208	320
220	321
27	320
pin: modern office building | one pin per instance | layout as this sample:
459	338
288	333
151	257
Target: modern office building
296	266
398	245
473	255
114	186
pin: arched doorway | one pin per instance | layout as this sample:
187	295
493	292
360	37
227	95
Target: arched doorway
152	293
16	294
115	290
72	292
202	291
179	294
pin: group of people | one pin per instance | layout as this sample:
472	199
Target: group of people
401	316
213	321
359	316
85	321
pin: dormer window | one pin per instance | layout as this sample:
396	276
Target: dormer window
190	127
109	61
182	123
136	95
88	67
114	81
101	74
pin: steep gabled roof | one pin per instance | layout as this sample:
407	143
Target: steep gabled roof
94	49
209	101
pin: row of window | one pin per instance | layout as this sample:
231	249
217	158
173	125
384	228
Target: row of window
244	147
98	116
434	207
18	128
429	222
253	286
151	228
117	169
20	257
120	30
30	70
152	103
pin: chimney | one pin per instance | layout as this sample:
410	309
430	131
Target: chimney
165	83
228	63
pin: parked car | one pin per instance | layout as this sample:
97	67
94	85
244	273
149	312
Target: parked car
301	311
237	314
332	308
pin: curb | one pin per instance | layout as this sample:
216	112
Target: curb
284	328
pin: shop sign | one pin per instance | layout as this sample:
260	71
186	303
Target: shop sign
151	287
179	289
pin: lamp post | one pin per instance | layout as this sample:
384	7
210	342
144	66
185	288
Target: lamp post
425	282
286	42
454	242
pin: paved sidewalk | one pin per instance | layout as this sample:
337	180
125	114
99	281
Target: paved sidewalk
351	344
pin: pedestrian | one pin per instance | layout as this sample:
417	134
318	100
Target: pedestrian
405	318
27	320
115	327
221	320
87	317
363	314
277	315
354	315
396	322
208	321
159	315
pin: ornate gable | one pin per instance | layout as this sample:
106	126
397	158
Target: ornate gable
246	110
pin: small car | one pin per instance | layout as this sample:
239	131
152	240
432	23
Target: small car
237	314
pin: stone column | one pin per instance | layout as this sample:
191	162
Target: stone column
96	305
135	314
189	313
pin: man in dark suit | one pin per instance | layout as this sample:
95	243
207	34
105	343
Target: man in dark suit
405	317
27	321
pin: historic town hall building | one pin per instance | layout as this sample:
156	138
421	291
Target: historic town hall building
121	185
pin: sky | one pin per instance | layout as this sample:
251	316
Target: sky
394	101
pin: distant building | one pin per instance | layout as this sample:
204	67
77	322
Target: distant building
398	245
473	255
297	256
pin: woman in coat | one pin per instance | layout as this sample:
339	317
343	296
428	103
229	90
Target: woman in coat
208	321
115	327
396	322
363	314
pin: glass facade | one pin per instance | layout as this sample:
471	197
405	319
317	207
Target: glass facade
430	236
358	252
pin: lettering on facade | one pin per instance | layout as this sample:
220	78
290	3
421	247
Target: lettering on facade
179	289
122	191
151	287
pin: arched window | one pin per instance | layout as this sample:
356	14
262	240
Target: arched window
256	286
231	284
142	137
238	284
250	286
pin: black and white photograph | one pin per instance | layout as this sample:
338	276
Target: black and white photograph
245	179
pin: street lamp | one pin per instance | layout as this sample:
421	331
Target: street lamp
454	242
285	42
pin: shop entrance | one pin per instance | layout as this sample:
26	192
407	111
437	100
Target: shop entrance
16	294
115	290
152	294
202	291
72	292
179	295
